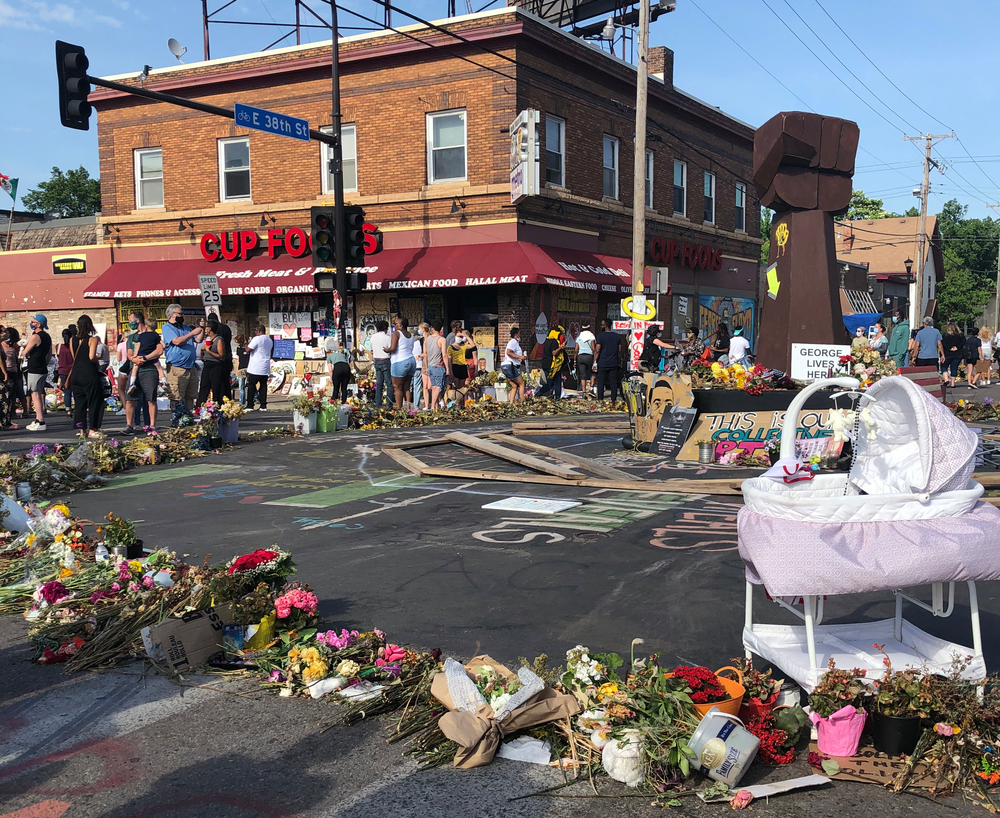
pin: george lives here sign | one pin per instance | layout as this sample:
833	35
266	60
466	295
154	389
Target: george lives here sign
813	362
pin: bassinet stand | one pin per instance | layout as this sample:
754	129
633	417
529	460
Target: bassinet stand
850	645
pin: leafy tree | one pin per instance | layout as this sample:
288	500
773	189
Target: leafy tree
912	211
72	193
765	233
864	208
970	263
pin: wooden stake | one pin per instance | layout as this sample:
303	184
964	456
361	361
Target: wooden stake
534	463
407	461
566	457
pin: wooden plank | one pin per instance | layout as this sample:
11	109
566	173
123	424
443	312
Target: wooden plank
987	478
993	501
495	450
566	457
584	431
407	461
652	486
421	443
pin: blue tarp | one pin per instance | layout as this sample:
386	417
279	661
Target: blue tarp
862	319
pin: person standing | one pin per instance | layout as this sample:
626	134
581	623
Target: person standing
401	362
553	358
37	353
383	362
65	358
899	338
259	367
417	384
859	341
340	368
511	366
438	364
6	403
928	347
10	348
720	349
608	356
973	358
181	354
739	349
85	378
218	358
144	359
585	358
426	338
985	367
880	342
457	342
226	333
242	361
953	348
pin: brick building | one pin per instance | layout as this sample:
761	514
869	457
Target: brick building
427	153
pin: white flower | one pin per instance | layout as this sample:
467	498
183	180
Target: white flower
499	702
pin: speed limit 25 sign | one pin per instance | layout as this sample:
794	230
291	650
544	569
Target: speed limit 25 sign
211	295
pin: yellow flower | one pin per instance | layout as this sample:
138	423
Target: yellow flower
65	572
607	690
31	540
737	369
60	507
135	565
293	655
310	655
716	369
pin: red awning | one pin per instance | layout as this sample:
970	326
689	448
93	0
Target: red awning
468	265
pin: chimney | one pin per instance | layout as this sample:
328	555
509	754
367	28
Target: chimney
661	64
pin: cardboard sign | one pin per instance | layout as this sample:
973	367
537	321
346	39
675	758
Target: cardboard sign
673	431
186	641
871	768
813	362
484	337
750	431
283	350
287	324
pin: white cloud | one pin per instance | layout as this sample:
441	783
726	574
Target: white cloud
16	18
120	4
27	14
57	13
114	22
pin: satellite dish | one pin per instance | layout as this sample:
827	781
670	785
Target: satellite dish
176	49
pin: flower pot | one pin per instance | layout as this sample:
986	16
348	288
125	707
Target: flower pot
229	430
895	735
215	443
706	452
839	734
774	456
323	420
134	551
755	709
502	394
730	706
304	423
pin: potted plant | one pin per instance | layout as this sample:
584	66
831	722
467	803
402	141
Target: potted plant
304	413
500	385
836	710
902	700
229	420
761	690
773	449
120	539
706	451
710	690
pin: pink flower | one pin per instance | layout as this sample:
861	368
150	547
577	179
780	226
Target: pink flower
303	600
332	640
115	586
944	729
147	582
133	587
124	572
741	800
394	653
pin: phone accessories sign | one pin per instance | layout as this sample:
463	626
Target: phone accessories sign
524	170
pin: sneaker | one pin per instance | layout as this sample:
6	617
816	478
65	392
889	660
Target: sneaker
35	426
128	430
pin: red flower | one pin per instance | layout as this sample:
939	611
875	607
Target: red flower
704	684
248	562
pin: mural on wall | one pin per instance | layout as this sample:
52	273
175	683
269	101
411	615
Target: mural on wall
736	313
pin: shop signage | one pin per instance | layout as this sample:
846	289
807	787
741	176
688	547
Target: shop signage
696	256
61	265
241	244
524	169
813	362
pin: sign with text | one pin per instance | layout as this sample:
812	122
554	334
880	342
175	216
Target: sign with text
258	119
813	362
750	431
524	165
673	431
61	265
286	325
211	295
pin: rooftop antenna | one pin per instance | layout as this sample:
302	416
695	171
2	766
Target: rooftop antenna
176	49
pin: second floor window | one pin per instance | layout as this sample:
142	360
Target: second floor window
680	188
446	153
349	153
234	169
709	197
149	178
555	151
741	207
611	167
649	179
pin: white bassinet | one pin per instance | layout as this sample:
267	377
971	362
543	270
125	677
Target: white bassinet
908	514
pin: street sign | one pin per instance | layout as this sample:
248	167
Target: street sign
524	159
211	295
258	119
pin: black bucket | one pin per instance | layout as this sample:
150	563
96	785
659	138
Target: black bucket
896	735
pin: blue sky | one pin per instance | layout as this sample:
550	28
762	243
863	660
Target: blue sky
941	55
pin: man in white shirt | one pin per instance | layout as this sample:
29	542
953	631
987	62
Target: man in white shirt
259	367
738	349
585	358
383	379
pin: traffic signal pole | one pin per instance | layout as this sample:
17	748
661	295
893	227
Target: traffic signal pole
337	170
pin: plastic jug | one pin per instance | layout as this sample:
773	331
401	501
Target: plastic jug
343	416
723	747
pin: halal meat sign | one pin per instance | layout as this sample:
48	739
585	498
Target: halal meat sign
241	244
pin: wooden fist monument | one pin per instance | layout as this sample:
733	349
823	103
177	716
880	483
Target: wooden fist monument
803	164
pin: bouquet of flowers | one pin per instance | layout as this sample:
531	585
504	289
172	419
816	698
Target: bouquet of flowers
758	683
496	688
242	574
704	684
837	689
118	532
232	410
305	403
296	607
867	365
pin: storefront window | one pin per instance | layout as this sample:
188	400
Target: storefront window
741	207
149	178
709	197
446	147
234	169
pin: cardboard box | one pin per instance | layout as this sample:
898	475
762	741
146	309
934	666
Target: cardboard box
181	643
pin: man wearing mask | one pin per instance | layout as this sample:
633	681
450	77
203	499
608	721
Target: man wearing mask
181	342
899	338
38	351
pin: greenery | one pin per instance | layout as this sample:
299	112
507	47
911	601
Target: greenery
765	234
862	207
970	264
838	689
69	194
118	531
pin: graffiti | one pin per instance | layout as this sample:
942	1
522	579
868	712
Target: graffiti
315	522
749	431
736	313
242	490
715	521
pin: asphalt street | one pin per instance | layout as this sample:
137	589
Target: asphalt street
423	560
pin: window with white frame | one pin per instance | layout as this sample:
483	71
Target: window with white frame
610	167
349	154
149	177
555	151
649	179
446	146
709	197
680	188
741	208
234	169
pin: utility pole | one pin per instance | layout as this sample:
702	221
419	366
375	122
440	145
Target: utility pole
917	287
337	170
996	295
639	176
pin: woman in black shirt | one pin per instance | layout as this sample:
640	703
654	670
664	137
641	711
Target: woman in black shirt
217	362
85	379
953	343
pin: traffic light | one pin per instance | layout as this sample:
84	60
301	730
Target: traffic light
326	281
324	240
354	236
74	87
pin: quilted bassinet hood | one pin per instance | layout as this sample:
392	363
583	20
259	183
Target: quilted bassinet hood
908	442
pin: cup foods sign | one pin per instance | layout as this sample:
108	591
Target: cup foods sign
524	170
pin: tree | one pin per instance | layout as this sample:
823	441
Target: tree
69	194
970	263
864	208
912	211
765	233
